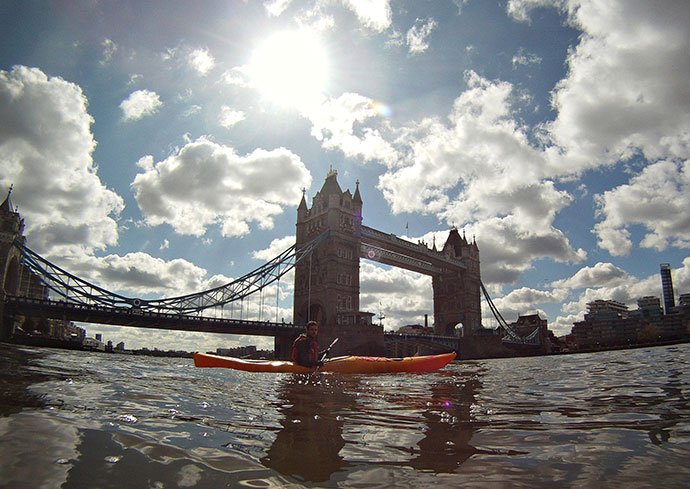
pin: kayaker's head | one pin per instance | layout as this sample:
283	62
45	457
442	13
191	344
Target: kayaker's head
312	329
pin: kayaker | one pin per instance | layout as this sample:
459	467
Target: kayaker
305	349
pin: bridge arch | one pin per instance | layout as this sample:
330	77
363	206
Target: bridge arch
312	311
11	278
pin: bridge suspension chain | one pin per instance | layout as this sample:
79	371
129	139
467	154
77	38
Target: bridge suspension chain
511	335
72	289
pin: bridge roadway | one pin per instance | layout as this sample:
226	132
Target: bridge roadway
138	318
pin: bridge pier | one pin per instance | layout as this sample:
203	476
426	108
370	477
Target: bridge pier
5	322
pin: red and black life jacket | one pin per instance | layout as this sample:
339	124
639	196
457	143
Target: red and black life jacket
305	351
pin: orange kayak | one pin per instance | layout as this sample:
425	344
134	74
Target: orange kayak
349	364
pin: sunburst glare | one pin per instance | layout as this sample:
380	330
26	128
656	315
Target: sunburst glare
290	68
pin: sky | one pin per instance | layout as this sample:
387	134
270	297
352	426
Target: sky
162	148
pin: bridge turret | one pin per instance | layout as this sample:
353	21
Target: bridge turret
11	229
327	284
457	292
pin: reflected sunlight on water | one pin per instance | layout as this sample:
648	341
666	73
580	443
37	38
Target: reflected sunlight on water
593	420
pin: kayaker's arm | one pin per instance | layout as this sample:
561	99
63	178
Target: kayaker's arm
326	353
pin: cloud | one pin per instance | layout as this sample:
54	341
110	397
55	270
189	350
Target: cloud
403	296
418	34
276	247
229	117
185	57
523	301
338	123
626	89
205	184
373	14
201	61
141	274
525	59
109	50
520	9
46	150
600	275
139	104
276	7
480	169
658	199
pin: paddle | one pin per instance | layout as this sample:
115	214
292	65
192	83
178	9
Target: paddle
325	354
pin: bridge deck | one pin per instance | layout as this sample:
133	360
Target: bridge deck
138	318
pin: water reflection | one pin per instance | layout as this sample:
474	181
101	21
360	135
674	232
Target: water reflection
450	427
333	423
308	445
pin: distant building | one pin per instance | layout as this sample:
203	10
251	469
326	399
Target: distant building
415	329
93	344
606	309
609	324
649	306
531	325
238	352
667	287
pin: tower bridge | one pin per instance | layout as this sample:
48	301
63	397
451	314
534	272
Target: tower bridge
330	241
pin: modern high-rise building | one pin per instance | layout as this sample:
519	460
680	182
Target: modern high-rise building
667	288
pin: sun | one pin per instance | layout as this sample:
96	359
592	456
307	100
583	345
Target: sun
290	68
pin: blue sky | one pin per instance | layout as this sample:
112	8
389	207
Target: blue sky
160	148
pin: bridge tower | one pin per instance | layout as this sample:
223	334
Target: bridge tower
11	229
457	291
327	283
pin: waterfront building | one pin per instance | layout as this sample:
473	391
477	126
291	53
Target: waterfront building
667	287
606	309
648	306
238	352
415	329
93	344
609	324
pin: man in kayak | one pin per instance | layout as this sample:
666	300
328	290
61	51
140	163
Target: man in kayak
305	349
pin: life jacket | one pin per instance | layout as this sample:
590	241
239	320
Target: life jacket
312	351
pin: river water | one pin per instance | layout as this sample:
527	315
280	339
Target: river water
95	420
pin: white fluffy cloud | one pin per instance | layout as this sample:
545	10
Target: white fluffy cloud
46	147
418	35
229	117
338	123
403	296
626	90
46	150
658	199
600	275
201	61
139	104
205	184
374	14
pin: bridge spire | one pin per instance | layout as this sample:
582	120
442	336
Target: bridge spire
6	206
